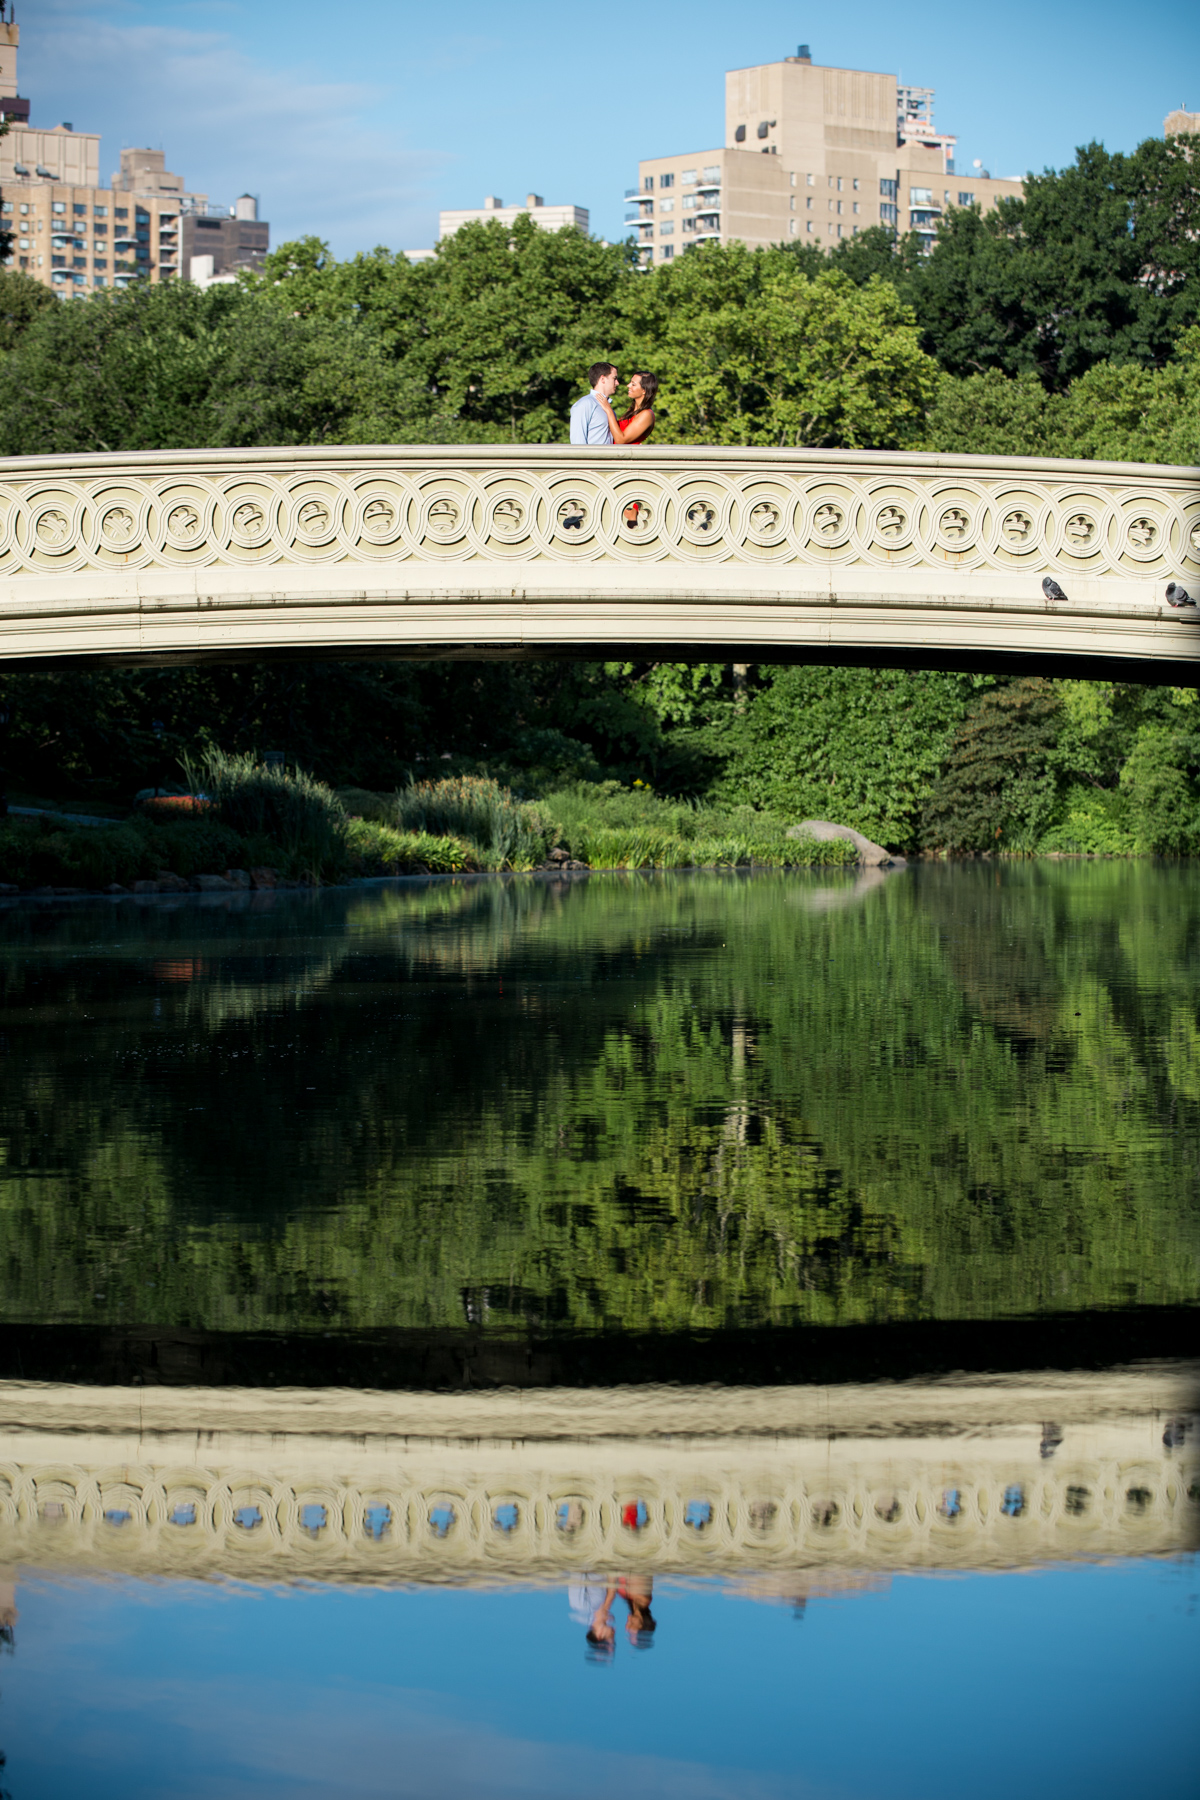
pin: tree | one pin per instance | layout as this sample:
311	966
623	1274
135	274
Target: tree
22	298
177	366
996	789
749	350
1098	262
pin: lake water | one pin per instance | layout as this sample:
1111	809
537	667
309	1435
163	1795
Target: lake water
790	1280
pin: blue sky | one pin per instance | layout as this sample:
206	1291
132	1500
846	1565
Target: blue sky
1078	1680
358	122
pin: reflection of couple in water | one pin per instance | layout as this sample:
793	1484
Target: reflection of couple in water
595	1603
593	420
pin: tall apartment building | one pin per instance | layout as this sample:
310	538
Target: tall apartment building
812	153
74	235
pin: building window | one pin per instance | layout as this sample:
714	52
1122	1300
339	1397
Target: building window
79	262
648	184
688	178
121	212
666	230
58	262
839	231
791	206
666	206
829	180
58	206
688	201
24	245
856	184
102	262
100	230
839	179
810	179
887	213
99	212
808	204
839	206
808	226
665	181
101	281
792	227
965	199
793	180
854	208
920	197
668	252
79	211
712	173
739	136
888	190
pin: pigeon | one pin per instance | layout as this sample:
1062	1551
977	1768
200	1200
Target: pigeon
1051	588
1177	595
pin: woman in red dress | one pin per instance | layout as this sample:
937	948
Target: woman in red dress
638	422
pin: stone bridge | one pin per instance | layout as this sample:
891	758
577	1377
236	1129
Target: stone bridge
755	555
785	1489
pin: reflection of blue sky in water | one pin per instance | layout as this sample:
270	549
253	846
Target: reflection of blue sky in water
1077	1681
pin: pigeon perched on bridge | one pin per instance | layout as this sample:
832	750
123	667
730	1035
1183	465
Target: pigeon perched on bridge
1051	588
1178	595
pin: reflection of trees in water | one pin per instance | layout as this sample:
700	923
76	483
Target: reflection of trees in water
651	1102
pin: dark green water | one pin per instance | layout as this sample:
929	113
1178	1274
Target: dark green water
653	1105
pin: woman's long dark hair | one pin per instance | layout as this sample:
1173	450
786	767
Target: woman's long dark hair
649	389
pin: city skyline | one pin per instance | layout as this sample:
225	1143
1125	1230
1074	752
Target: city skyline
363	133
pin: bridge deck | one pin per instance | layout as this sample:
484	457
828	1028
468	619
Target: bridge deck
545	550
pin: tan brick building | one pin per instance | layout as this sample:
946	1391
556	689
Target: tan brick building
76	236
810	153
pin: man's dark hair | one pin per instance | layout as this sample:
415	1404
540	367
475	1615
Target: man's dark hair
598	371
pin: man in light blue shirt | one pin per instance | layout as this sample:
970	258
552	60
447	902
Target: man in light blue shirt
589	421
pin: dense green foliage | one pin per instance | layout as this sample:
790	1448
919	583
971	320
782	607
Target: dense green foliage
641	1102
1064	321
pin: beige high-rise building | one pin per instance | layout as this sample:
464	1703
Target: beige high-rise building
1181	123
76	236
810	153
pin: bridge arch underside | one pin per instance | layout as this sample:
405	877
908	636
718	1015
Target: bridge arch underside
860	558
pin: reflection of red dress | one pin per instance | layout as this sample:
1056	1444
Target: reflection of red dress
640	440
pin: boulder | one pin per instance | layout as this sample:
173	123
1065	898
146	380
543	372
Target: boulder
211	884
145	887
168	883
9	887
262	878
114	887
871	856
238	878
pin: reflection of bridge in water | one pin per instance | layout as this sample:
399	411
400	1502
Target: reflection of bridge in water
783	1487
871	556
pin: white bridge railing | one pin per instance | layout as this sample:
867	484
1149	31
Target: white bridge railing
774	1487
529	549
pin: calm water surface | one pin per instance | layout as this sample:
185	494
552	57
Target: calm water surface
296	1191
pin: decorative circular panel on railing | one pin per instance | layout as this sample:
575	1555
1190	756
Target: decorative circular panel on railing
563	509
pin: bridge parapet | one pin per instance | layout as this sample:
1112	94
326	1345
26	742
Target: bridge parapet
433	1489
533	548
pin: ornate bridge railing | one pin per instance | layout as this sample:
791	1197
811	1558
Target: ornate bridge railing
804	1486
533	550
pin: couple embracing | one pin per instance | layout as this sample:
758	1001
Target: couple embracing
593	420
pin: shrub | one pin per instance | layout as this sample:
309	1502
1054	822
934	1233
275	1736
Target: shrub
377	849
509	833
303	817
